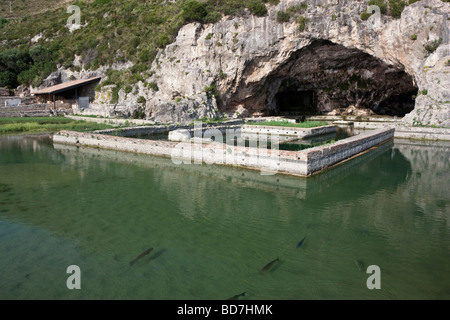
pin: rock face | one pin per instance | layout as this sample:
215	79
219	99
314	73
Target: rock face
332	59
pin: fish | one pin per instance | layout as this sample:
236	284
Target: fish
236	297
267	266
359	264
301	242
143	254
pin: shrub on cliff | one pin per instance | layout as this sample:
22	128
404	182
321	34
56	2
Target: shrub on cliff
396	8
283	16
257	8
194	11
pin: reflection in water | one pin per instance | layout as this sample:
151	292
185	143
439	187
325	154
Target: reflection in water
217	226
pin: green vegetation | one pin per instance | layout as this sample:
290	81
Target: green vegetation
302	23
394	9
257	8
153	86
114	31
414	37
47	124
431	46
365	15
380	3
293	12
211	91
3	21
283	16
306	124
26	66
141	100
299	147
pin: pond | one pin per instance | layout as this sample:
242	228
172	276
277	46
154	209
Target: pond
284	142
214	228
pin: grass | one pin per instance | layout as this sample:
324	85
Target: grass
306	124
47	124
299	147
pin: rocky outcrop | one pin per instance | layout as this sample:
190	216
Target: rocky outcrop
324	58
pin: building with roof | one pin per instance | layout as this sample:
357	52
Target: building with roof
65	95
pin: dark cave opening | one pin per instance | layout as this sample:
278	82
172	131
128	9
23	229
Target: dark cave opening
397	105
293	102
326	78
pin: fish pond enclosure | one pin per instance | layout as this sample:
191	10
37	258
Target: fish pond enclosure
269	148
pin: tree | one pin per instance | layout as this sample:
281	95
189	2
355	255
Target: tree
8	79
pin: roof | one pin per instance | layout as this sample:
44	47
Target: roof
67	86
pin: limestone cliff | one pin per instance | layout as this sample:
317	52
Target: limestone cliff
325	55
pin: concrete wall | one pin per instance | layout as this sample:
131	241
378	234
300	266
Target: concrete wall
32	110
422	133
289	131
302	163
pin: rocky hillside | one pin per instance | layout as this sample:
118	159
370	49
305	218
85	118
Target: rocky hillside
175	61
258	65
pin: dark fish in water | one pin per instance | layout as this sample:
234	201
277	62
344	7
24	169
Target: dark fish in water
301	242
359	264
236	297
267	267
143	254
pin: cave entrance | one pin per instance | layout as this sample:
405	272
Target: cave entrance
324	78
294	102
397	105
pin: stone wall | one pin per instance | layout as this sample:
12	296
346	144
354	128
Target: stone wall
269	161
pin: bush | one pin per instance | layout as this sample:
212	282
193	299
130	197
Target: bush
365	15
257	8
8	79
431	46
414	37
302	23
115	95
396	8
3	21
211	91
139	113
272	2
153	86
212	17
194	11
380	3
144	55
283	16
162	40
141	99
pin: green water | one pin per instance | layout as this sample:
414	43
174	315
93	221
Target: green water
213	228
